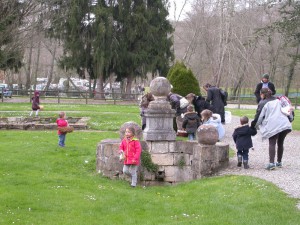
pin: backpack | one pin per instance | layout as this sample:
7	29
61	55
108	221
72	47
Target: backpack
286	107
183	103
224	96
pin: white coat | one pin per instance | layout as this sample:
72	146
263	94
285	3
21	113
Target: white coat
271	120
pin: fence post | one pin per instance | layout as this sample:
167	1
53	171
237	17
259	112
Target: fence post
296	98
86	97
30	95
2	94
113	95
58	99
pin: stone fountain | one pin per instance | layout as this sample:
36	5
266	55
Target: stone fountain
178	161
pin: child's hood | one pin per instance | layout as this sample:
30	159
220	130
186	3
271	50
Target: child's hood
191	115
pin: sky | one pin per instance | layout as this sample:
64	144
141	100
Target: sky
179	5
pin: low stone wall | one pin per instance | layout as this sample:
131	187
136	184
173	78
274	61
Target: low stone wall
178	161
39	123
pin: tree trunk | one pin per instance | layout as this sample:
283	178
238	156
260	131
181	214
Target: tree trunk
37	63
51	68
128	87
28	69
291	71
99	93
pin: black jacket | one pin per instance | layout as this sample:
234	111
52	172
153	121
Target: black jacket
242	136
200	104
271	86
215	99
191	122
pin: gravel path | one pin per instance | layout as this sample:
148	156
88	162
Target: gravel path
286	178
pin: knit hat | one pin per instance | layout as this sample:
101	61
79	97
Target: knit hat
265	76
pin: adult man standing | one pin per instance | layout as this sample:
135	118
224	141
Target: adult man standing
215	99
264	83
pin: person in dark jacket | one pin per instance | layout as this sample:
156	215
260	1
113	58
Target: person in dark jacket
215	99
242	138
264	83
35	103
199	103
191	121
175	102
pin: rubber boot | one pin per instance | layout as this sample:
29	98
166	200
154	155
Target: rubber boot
246	166
239	160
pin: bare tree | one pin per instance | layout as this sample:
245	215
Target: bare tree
222	42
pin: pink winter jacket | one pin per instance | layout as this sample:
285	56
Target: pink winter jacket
132	151
61	123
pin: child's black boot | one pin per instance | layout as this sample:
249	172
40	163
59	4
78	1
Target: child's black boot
239	160
246	166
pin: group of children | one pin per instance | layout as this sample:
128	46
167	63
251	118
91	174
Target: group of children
191	122
61	121
130	147
241	135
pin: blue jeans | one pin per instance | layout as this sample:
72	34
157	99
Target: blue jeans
244	153
61	140
191	136
131	170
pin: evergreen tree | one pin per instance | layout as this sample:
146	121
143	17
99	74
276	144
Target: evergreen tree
160	53
86	32
183	80
104	43
144	42
12	14
131	30
128	37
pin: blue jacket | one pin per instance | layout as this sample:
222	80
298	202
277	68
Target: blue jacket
215	120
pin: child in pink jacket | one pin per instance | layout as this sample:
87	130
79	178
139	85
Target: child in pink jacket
130	150
61	122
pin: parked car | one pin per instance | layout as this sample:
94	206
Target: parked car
6	92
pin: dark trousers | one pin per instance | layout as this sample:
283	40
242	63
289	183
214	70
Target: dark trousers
244	152
279	139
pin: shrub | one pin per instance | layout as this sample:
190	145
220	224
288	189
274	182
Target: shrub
183	80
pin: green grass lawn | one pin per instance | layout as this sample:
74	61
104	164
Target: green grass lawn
44	184
103	117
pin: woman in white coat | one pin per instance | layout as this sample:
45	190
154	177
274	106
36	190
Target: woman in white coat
273	125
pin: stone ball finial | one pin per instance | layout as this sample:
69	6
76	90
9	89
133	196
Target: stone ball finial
207	134
137	128
160	86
